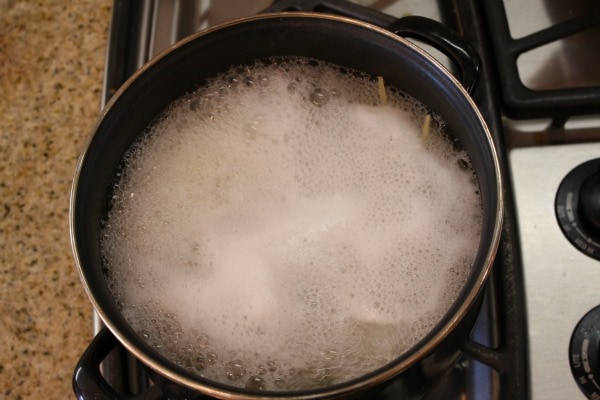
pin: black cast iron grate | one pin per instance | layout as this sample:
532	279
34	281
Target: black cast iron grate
506	350
520	101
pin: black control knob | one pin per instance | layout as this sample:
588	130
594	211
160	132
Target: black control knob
577	207
584	354
589	200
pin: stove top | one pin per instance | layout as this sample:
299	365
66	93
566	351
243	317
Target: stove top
561	282
538	95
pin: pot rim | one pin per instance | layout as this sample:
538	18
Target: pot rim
386	372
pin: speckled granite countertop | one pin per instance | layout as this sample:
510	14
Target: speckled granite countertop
51	65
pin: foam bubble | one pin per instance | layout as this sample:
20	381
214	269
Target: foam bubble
280	229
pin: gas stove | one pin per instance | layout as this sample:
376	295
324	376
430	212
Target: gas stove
538	331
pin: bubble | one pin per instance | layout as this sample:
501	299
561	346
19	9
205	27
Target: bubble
255	383
199	362
235	370
319	96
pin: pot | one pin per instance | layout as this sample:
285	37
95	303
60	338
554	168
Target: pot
339	40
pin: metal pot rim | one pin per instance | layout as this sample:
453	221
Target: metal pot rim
384	373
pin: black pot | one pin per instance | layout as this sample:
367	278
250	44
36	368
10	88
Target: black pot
339	40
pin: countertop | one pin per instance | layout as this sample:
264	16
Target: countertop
51	65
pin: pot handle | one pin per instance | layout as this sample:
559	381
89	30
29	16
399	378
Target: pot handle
444	39
88	382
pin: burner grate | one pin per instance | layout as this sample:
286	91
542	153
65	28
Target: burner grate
520	100
499	358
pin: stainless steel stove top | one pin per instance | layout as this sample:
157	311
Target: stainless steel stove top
561	283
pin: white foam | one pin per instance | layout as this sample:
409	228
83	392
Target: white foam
284	237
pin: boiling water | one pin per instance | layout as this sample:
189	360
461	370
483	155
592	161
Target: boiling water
288	227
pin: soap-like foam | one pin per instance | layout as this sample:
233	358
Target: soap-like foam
281	229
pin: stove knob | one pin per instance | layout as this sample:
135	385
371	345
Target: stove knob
577	207
589	200
584	354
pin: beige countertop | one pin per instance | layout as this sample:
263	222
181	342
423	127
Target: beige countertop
51	65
